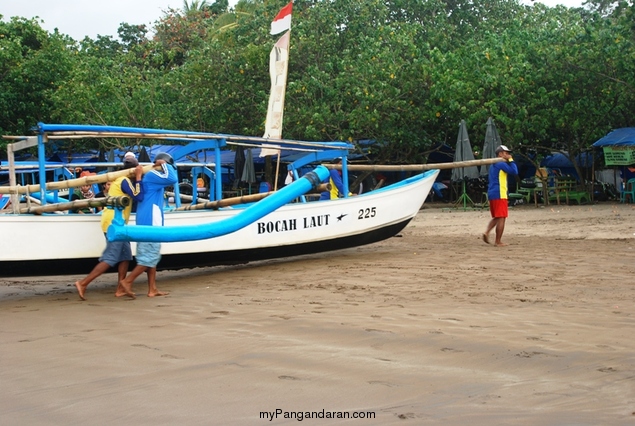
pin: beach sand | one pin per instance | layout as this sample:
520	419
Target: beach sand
432	326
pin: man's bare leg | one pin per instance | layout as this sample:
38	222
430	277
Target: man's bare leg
153	291
126	283
81	285
122	270
500	228
80	290
491	225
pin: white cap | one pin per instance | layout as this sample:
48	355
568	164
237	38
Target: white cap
502	148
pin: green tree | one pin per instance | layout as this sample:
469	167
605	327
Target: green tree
402	72
33	63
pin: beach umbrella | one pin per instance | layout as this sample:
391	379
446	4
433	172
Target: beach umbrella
249	171
239	165
492	140
143	156
463	152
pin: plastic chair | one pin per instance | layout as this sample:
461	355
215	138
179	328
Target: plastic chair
629	189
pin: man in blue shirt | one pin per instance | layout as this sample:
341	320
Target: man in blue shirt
150	212
497	193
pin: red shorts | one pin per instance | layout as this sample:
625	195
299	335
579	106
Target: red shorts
498	208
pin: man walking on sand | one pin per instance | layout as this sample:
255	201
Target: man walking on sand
497	193
150	212
116	252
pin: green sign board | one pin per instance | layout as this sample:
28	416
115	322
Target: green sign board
619	155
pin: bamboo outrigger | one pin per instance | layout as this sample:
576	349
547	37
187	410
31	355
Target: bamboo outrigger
110	176
72	183
121	201
414	167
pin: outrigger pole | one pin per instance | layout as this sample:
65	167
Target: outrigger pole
73	183
121	202
105	177
414	167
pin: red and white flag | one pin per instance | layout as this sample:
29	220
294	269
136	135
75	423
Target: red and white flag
282	21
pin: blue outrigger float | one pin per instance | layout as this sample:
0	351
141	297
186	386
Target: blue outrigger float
282	224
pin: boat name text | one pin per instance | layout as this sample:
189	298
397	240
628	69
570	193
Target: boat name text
292	224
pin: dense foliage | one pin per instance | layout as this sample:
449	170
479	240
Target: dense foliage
403	71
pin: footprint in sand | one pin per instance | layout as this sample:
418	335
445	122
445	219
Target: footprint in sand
406	416
141	345
450	350
379	382
284	317
288	378
375	330
170	356
537	338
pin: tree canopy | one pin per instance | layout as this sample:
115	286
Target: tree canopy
403	72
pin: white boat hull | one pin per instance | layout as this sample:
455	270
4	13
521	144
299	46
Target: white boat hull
72	243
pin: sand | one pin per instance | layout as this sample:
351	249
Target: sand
430	327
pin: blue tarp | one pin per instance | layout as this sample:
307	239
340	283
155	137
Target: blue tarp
623	136
562	161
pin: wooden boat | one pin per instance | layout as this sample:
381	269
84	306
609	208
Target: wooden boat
53	243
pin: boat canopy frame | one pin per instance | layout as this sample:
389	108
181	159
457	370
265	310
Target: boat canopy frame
317	152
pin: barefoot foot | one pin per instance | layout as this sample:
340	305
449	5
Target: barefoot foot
80	290
485	238
501	245
158	293
124	289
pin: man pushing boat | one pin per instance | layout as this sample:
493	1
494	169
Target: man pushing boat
150	212
116	252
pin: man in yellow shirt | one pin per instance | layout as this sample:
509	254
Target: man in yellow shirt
116	252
